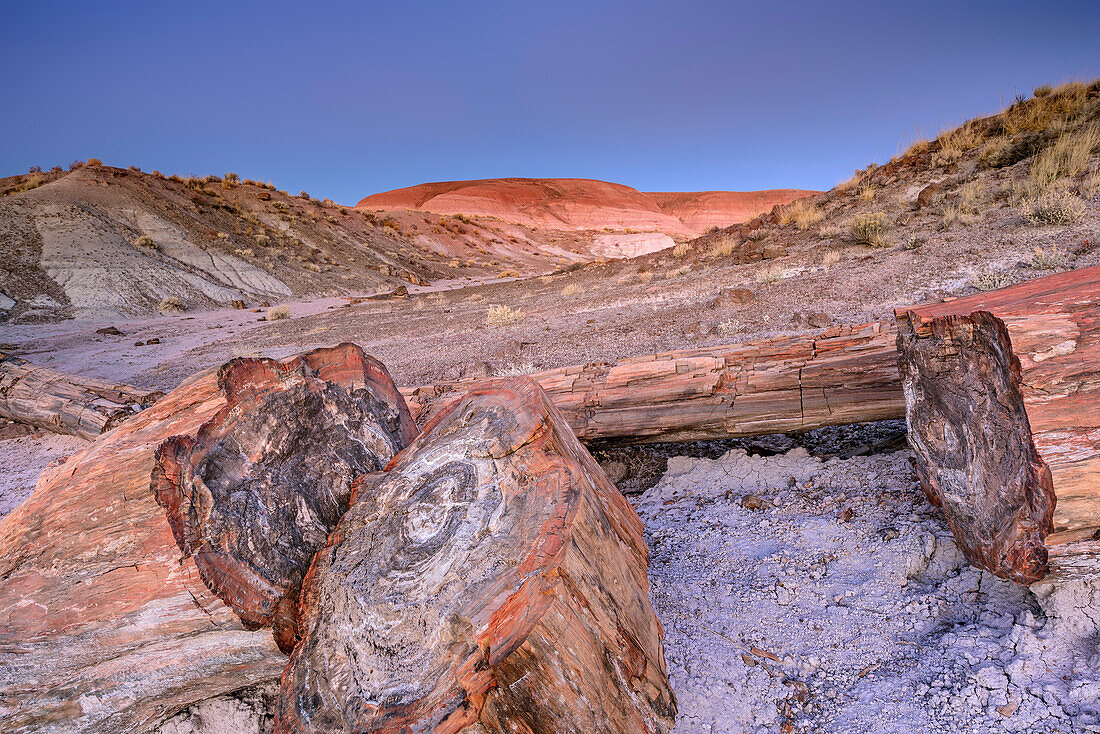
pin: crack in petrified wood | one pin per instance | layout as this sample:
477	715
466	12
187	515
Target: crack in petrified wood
257	490
973	444
491	579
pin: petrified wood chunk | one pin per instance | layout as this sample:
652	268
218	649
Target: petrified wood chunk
105	625
256	491
969	430
72	404
492	580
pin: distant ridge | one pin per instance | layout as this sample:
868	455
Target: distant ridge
581	203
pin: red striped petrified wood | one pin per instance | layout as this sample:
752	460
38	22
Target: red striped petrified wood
492	580
843	375
106	625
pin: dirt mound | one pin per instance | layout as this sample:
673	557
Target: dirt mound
578	203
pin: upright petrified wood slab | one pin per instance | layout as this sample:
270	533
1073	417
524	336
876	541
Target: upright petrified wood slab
256	491
105	624
973	445
1053	324
492	580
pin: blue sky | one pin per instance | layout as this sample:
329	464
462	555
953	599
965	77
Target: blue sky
346	99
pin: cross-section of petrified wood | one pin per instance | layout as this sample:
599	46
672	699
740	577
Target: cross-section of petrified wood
80	406
105	624
492	580
973	445
256	491
1053	324
842	375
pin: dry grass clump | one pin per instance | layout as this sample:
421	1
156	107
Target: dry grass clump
508	274
970	196
1055	209
499	316
829	231
570	290
802	213
311	266
171	305
278	313
1051	258
222	236
146	242
830	258
724	247
954	214
682	250
24	183
1067	157
515	369
870	229
729	328
991	280
866	191
93	162
1090	187
682	270
769	274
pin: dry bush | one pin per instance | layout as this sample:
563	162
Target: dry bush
246	252
970	196
802	213
645	276
146	242
222	236
869	229
93	162
682	270
1043	90
508	274
1048	258
262	239
769	274
830	258
1090	187
570	290
729	328
829	231
866	191
278	313
171	305
499	316
1055	209
681	250
312	266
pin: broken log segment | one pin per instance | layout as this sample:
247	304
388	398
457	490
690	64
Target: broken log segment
105	624
71	404
1053	324
491	580
970	434
256	491
844	375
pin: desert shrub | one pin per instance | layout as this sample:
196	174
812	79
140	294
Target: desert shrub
246	252
93	162
830	258
34	169
145	241
991	280
769	274
866	191
829	231
231	177
262	239
303	195
75	165
508	274
677	272
802	213
499	316
1047	258
729	328
970	196
172	305
681	250
312	266
645	276
869	229
1091	185
1055	209
1043	90
570	290
278	313
222	236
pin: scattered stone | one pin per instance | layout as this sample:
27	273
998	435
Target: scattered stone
928	195
732	297
109	331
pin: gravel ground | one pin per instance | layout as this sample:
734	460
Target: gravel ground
828	596
23	458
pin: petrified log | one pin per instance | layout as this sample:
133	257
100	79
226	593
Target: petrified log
492	580
1053	325
974	452
106	625
843	375
79	406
